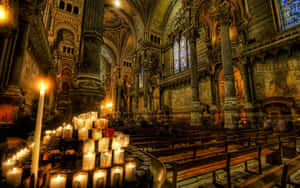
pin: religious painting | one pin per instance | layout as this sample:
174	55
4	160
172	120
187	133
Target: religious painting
289	11
277	80
238	82
7	113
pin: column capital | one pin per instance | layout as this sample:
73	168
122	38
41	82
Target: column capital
223	12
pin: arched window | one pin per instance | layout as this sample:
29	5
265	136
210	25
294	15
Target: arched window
176	56
69	7
141	79
76	10
183	53
289	11
62	5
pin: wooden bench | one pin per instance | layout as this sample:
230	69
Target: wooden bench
168	155
187	169
279	176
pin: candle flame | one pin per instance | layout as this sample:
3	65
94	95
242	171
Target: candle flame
43	88
14	169
3	14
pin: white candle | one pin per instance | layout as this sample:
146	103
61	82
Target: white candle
37	135
97	134
130	171
80	180
58	181
59	131
48	133
79	123
68	131
126	140
105	159
88	162
46	139
119	156
116	176
99	179
93	116
88	124
89	146
6	165
83	134
103	144
116	144
14	177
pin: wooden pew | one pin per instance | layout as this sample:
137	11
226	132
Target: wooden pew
279	175
168	155
187	169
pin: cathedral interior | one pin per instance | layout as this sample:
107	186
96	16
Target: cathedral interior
150	93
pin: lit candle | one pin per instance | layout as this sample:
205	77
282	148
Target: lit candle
59	131
79	123
46	139
99	179
68	131
126	140
119	156
96	134
48	133
105	159
89	146
130	171
88	162
103	144
116	143
116	176
93	116
37	135
80	180
6	165
83	134
14	177
88	124
101	123
58	181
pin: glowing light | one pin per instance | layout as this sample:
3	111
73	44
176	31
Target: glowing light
109	105
117	3
42	89
3	14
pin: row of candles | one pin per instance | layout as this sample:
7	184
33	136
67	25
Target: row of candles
11	169
100	177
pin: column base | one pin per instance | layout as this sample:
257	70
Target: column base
231	108
196	114
87	94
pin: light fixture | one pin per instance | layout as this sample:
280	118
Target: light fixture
3	14
117	3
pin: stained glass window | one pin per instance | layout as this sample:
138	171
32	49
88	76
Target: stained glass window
289	13
176	57
183	53
189	53
141	79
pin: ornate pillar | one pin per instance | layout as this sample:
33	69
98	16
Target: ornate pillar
136	95
249	108
231	104
196	116
88	89
146	65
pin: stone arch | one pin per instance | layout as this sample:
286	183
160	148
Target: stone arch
66	26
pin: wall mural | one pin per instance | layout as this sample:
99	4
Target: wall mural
277	80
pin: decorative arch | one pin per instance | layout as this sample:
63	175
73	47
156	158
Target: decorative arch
67	26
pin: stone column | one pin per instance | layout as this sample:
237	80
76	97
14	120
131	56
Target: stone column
249	108
136	95
196	116
231	104
88	91
146	81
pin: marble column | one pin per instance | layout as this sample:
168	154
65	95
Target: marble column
196	116
88	91
231	104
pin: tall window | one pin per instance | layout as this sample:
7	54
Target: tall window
141	78
289	13
181	53
176	57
